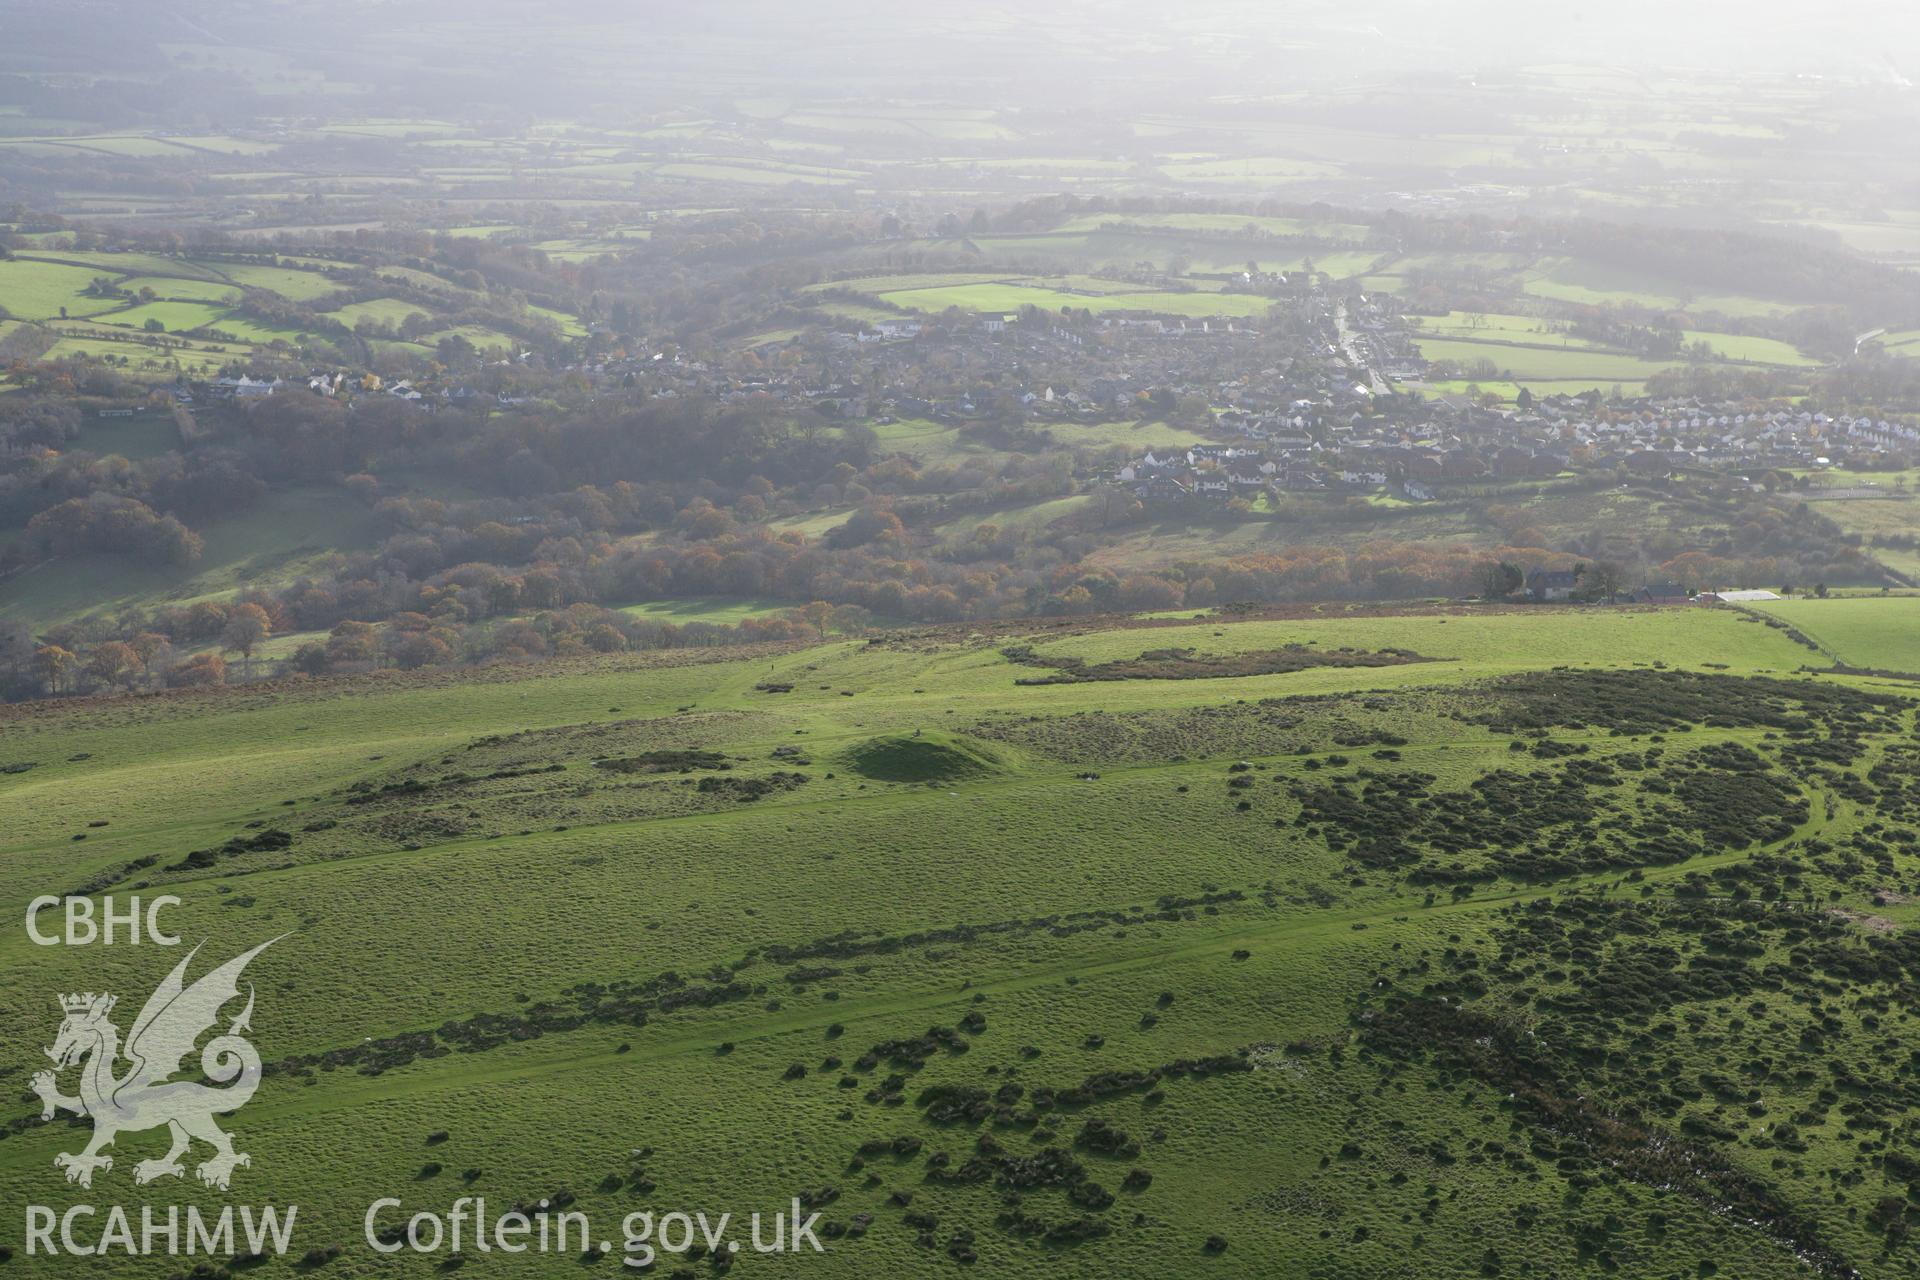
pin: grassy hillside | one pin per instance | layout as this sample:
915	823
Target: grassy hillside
705	909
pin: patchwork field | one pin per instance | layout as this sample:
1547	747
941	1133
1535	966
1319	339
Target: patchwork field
1331	945
102	304
1011	295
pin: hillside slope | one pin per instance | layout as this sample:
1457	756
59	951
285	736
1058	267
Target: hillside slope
1115	969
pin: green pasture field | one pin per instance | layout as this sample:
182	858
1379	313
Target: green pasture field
1068	168
264	547
31	290
570	325
1454	262
1031	516
196	358
116	265
1745	347
1010	297
882	284
1894	238
1575	280
395	128
934	443
1078	886
128	145
1340	264
721	610
1873	632
423	279
479	335
1497	327
856	311
1894	515
1527	364
176	317
1550	518
1506	390
135	438
813	524
247	329
175	289
389	311
1893	482
1258	168
753	170
836	123
1339	232
221	144
299	286
1128	435
1203	252
576	248
1519	344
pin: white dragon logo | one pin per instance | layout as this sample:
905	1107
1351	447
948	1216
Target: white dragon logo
173	1018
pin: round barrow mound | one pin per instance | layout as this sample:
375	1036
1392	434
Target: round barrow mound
930	757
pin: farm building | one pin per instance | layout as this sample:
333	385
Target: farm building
1552	584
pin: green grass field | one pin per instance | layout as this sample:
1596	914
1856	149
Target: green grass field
1529	364
1889	513
1008	297
480	336
1077	887
198	359
1504	331
175	288
175	317
720	610
301	286
197	295
1347	232
264	547
32	290
133	438
1580	281
1877	632
389	311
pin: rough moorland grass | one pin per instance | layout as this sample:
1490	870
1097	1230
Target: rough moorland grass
1074	914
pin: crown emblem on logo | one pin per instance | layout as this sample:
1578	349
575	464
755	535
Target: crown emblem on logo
80	1003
